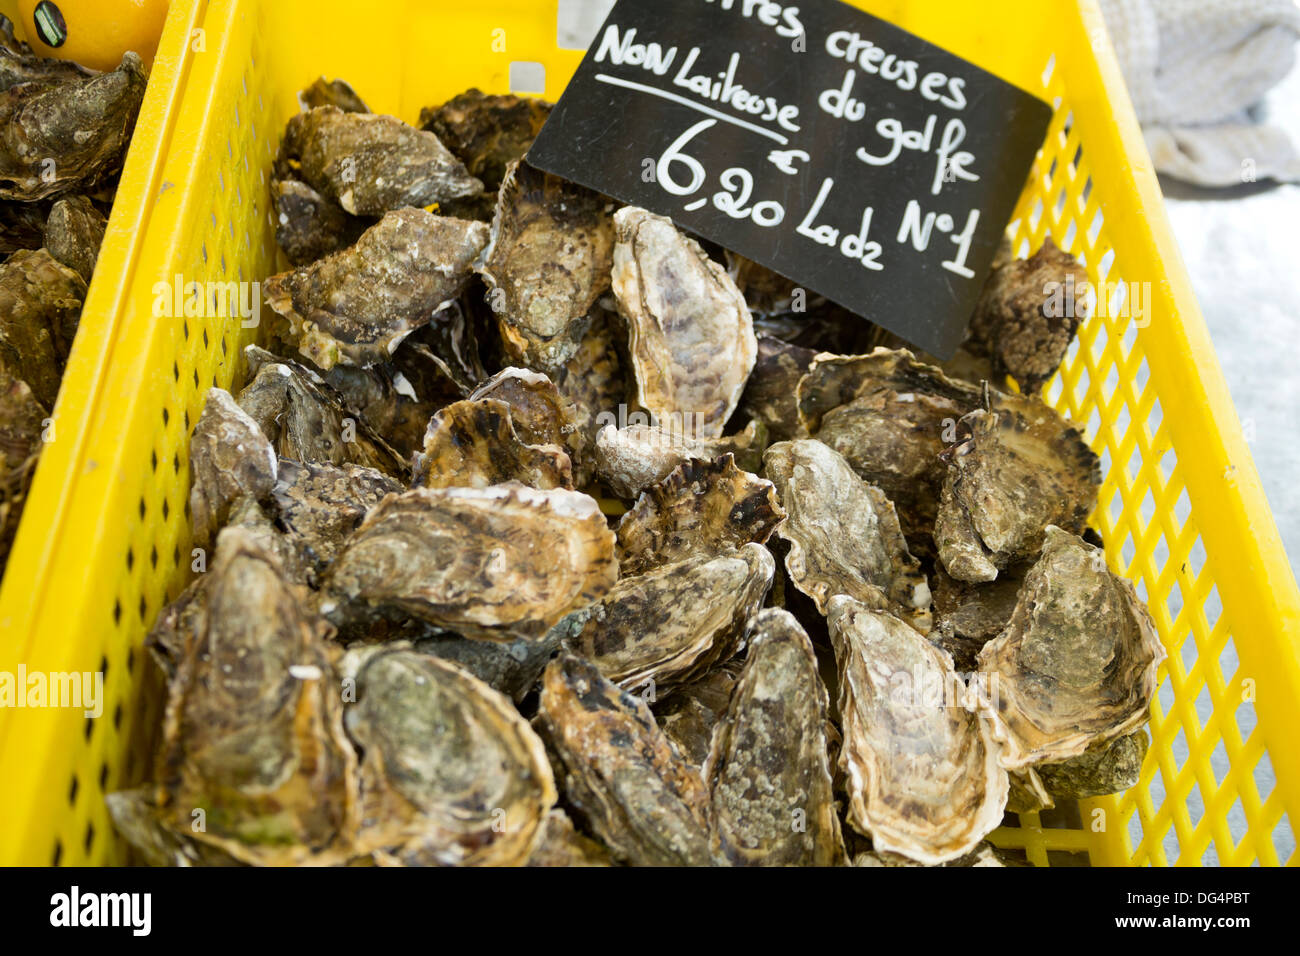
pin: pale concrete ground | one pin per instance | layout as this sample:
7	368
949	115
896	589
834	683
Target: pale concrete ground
1242	251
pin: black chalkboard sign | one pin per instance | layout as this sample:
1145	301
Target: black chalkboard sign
849	155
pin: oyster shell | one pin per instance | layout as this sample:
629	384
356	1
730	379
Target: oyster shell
768	772
230	457
487	132
546	264
499	563
305	419
592	384
338	93
633	458
253	726
73	233
984	855
967	616
700	508
513	668
356	306
691	337
82	122
474	444
844	535
321	504
1016	322
891	417
372	164
623	776
540	414
669	625
309	226
1112	767
389	402
766	292
923	774
562	845
450	774
22	421
771	394
1022	468
689	714
449	344
137	819
40	306
1076	666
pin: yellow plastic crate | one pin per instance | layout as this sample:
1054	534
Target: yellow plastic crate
105	544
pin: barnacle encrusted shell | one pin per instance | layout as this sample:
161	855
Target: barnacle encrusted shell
700	508
474	444
772	391
1022	468
306	420
546	263
497	563
450	774
355	306
691	337
371	164
923	772
633	458
768	773
253	728
844	535
670	624
321	504
229	457
891	417
632	788
1076	666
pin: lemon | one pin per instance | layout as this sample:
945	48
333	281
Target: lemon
94	33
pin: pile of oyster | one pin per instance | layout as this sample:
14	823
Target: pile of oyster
546	534
64	131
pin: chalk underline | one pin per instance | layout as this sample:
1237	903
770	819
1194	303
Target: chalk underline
664	94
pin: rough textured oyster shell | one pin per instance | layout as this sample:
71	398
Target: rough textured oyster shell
40	306
338	93
230	457
372	164
511	668
985	855
771	394
137	819
768	772
891	417
83	123
591	383
844	535
321	504
499	563
562	845
309	226
700	508
487	132
631	459
967	616
671	624
1110	768
356	306
1021	321
390	402
766	292
305	419
253	730
689	714
474	444
73	233
1022	468
691	337
450	774
923	774
627	781
546	263
1076	666
22	421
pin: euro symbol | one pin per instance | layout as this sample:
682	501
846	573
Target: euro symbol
783	159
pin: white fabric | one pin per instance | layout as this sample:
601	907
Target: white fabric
1194	68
